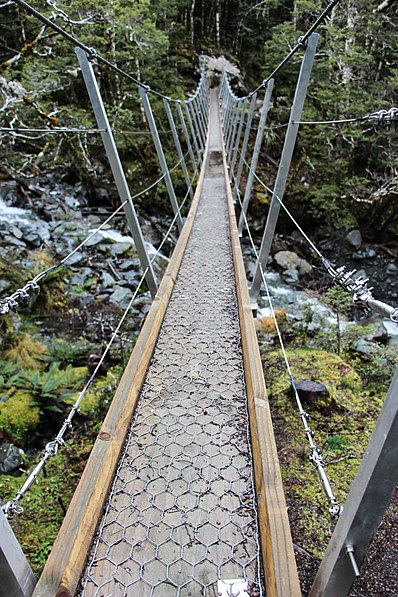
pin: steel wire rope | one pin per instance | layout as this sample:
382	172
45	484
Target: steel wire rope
361	294
61	130
382	118
300	43
78	131
315	453
22	295
12	506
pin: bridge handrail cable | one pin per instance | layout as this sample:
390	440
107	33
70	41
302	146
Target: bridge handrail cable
22	295
12	506
357	287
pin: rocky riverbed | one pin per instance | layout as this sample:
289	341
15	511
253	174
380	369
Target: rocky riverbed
99	279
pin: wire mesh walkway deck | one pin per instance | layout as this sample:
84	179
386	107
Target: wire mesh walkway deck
182	513
197	497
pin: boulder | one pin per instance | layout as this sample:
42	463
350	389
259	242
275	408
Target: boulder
354	238
391	329
314	393
10	458
121	296
288	260
216	65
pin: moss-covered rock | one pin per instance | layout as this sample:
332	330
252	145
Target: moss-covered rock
341	431
19	417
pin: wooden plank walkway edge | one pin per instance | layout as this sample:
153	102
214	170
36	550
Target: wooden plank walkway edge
66	561
280	570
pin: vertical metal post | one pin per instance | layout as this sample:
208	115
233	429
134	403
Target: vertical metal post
117	168
245	143
193	134
232	139
228	113
201	118
186	136
366	504
161	156
286	158
231	126
256	153
194	117
178	145
17	578
238	136
201	112
204	104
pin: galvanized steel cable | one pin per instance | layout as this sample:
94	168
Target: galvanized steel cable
315	453
13	507
361	294
22	296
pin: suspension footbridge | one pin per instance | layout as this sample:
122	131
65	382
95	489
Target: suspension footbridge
182	493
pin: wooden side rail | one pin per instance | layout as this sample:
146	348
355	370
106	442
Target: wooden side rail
280	570
66	561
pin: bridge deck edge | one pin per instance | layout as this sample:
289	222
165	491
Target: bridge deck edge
67	559
280	569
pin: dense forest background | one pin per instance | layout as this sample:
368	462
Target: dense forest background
344	175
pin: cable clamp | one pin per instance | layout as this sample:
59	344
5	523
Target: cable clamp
302	42
91	54
335	510
385	118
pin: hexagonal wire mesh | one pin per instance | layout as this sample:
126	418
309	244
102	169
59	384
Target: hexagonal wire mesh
181	513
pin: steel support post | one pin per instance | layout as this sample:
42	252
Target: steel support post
284	165
232	130
204	103
117	168
256	153
202	109
238	136
186	137
228	114
195	121
17	578
232	145
201	119
161	156
178	145
193	134
245	144
366	504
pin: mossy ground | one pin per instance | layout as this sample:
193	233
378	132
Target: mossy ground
342	428
46	502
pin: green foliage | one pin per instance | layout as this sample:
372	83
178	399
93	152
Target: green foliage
68	353
98	398
47	387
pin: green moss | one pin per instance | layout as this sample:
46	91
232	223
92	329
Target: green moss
19	417
37	527
342	434
100	394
